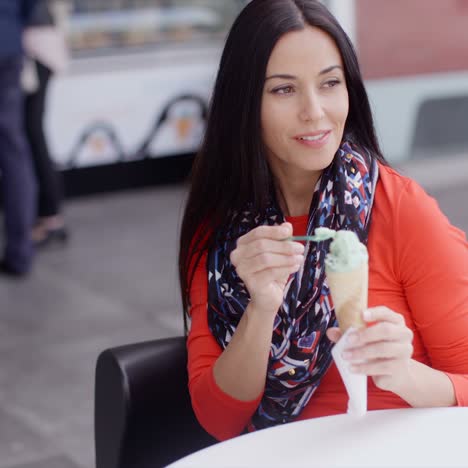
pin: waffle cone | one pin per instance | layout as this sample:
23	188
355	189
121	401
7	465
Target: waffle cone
349	294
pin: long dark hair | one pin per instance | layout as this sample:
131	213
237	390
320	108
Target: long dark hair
231	168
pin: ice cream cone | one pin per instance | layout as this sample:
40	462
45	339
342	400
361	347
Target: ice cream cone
349	291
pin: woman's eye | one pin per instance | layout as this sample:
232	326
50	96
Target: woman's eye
283	90
332	83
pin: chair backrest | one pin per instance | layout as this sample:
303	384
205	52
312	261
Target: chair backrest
143	413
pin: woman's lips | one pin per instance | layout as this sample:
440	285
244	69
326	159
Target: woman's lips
314	140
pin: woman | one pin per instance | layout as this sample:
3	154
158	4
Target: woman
290	146
46	54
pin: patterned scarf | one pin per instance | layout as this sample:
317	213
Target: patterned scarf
300	352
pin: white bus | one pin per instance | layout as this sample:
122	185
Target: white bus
139	79
142	71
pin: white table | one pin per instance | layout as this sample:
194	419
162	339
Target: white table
429	437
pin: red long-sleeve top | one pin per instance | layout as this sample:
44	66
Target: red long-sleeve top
418	266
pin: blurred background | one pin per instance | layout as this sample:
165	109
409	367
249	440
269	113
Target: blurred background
123	121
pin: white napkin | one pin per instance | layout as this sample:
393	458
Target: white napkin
356	384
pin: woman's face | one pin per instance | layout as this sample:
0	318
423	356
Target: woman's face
304	103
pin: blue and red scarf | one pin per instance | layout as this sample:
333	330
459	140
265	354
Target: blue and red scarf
300	353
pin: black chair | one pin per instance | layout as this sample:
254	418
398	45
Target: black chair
143	417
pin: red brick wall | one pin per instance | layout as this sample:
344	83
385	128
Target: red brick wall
410	37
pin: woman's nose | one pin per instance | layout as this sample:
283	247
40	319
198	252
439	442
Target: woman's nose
311	108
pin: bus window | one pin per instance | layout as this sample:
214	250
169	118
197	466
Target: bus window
99	26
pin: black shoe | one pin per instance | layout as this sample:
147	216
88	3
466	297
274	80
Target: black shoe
53	236
7	270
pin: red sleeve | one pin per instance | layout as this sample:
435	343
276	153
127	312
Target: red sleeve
433	267
220	414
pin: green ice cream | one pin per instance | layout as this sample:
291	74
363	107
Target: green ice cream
323	234
347	253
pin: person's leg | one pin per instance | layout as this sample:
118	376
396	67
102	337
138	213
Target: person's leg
18	181
49	183
49	179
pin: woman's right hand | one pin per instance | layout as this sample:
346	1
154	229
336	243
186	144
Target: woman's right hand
264	262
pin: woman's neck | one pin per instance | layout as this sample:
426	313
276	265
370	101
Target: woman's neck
295	196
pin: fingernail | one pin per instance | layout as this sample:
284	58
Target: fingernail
367	314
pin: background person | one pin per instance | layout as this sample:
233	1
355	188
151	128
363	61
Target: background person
18	181
46	52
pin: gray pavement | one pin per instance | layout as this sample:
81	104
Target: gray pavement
115	283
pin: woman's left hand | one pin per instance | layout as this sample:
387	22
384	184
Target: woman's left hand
382	350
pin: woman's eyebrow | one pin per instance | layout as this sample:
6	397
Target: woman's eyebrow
282	76
329	69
